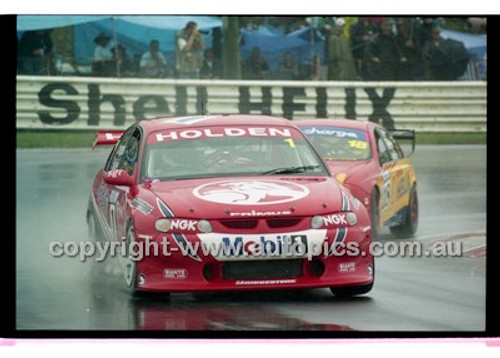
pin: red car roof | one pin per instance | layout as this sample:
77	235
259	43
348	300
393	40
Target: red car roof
342	123
156	124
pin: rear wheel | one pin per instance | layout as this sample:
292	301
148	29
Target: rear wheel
375	212
410	225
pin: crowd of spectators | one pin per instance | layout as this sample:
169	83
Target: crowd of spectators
363	48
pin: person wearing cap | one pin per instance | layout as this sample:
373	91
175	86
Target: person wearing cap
341	65
189	47
103	57
383	55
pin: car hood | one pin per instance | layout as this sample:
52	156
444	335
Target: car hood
348	167
248	196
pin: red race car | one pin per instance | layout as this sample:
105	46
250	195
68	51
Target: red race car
368	160
227	202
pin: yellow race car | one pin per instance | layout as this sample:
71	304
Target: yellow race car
368	160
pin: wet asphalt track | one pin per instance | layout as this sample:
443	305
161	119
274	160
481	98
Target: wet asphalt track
410	294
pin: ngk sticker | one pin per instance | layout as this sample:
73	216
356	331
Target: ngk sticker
251	192
335	219
183	224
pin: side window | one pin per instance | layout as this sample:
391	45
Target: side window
392	150
126	151
383	152
396	145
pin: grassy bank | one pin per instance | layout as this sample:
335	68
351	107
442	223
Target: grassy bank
84	139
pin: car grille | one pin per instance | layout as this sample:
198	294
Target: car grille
271	269
281	223
240	224
248	224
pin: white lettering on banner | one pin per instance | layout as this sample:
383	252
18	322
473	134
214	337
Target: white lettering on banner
190	134
222	132
333	132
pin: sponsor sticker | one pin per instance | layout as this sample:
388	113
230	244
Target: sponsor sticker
177	273
334	132
347	267
183	224
335	219
142	206
251	192
218	132
265	282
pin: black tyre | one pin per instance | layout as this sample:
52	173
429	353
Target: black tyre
128	264
129	268
349	291
375	212
410	225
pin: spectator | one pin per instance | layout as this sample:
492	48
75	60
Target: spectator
410	47
124	66
153	64
103	64
35	49
211	68
361	34
189	45
383	56
254	67
341	65
288	70
445	59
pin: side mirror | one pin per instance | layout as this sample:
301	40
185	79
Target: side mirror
405	139
118	177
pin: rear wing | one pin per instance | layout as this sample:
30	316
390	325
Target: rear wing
107	138
404	137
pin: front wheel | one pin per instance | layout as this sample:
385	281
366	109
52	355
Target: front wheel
375	212
128	263
410	224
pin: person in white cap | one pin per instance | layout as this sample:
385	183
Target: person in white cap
341	65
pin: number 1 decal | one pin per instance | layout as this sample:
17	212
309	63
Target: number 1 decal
290	142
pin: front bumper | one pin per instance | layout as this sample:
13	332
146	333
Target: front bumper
197	272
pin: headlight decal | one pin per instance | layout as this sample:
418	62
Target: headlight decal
165	210
186	249
340	236
345	202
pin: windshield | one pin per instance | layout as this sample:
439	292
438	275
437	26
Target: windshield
229	151
339	143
